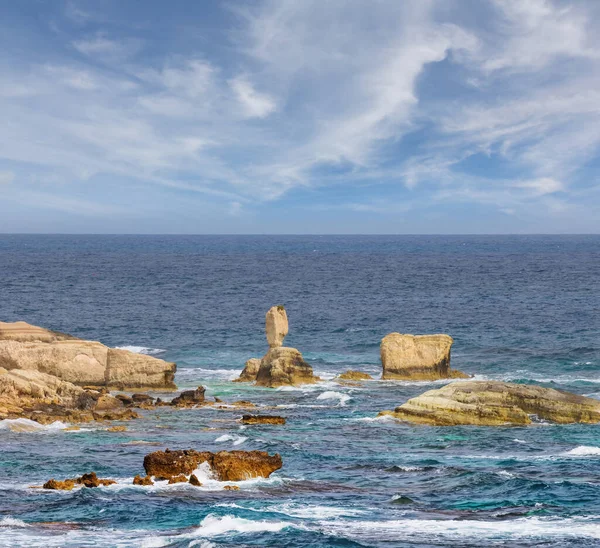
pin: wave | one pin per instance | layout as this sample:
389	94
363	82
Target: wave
332	395
583	451
298	510
199	373
213	525
141	349
27	425
237	440
12	522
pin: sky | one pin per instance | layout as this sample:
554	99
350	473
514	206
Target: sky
287	116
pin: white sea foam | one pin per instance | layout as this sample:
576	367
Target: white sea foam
237	440
12	522
199	373
27	425
212	526
141	349
298	510
583	451
517	440
341	398
378	418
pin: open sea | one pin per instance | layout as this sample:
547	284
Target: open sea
520	308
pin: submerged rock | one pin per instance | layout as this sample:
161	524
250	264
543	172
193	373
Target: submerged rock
225	465
417	357
276	325
189	397
250	371
496	403
81	362
354	376
283	366
262	419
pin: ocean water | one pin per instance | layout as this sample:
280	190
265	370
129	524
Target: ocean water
520	308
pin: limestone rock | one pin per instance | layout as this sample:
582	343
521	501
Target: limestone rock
354	376
139	480
66	485
250	371
496	403
189	398
262	419
107	402
420	357
225	465
178	479
283	366
276	325
87	480
24	346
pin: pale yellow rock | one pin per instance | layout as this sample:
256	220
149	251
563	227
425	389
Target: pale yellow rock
250	371
283	366
417	357
24	346
496	403
276	326
354	376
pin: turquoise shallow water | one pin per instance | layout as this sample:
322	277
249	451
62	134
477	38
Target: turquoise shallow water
524	309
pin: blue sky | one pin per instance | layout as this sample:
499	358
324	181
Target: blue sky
287	116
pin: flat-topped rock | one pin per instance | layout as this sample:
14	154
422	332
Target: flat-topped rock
282	366
276	325
417	357
496	403
25	346
354	376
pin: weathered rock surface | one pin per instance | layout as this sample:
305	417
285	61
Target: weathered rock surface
496	403
139	480
190	398
417	357
262	419
25	346
195	481
250	371
225	465
87	480
354	376
276	325
283	366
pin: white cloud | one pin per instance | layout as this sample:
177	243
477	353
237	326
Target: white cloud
6	177
254	104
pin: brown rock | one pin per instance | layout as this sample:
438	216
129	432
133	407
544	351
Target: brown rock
354	376
250	371
231	488
117	429
142	398
66	485
262	419
195	481
283	366
189	398
226	465
92	480
243	403
420	357
125	400
139	480
178	479
494	403
276	325
107	402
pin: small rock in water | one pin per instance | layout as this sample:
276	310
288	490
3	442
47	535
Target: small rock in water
66	485
354	376
231	488
195	481
125	399
87	480
189	397
117	429
262	419
178	479
139	480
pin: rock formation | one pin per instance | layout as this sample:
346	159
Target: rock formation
418	358
354	376
189	398
496	403
225	465
281	365
262	419
87	480
250	371
24	346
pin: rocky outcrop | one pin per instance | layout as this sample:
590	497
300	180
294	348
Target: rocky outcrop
262	419
225	465
24	346
417	357
139	480
87	480
250	371
190	398
354	376
276	325
283	366
496	403
45	398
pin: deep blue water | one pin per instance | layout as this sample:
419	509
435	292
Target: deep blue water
520	308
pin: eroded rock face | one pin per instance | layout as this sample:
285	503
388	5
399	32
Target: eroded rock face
250	371
417	357
276	326
225	465
496	403
25	346
283	366
354	376
262	419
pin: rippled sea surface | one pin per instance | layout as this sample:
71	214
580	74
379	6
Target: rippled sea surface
520	308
